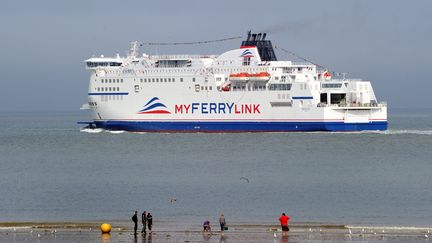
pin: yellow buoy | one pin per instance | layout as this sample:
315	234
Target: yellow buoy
105	228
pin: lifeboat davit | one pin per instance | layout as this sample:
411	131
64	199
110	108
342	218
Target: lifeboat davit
239	77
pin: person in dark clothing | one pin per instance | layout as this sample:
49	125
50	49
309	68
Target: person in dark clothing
144	222
149	221
222	222
135	220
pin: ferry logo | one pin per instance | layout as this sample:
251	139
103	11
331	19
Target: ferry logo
246	53
154	106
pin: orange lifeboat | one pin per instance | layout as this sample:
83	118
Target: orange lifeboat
239	77
262	76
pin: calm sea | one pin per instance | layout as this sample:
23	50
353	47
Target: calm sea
50	170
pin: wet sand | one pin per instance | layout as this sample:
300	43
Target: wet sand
238	232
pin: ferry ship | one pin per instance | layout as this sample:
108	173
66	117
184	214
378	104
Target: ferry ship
242	90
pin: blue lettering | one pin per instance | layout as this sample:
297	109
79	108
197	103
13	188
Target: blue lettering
230	107
204	108
213	107
221	107
194	107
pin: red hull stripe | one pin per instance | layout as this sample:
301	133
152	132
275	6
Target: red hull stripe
155	112
244	47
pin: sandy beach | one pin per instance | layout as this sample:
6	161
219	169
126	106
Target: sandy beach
237	232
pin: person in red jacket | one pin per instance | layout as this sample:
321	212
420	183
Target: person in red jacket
283	219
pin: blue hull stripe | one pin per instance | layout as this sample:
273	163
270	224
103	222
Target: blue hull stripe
302	98
154	126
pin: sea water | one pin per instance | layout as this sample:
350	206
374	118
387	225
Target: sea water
50	170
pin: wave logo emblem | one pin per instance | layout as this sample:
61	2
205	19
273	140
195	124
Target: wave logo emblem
246	53
154	106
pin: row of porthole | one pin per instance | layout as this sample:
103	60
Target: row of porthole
109	80
157	80
108	89
105	98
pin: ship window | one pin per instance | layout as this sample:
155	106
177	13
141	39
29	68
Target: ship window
181	79
202	87
279	87
118	81
173	79
193	79
210	88
337	98
153	80
121	80
323	98
118	88
332	85
141	80
157	80
169	79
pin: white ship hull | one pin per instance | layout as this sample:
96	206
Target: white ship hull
148	94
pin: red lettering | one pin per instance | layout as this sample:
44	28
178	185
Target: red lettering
248	109
235	109
256	109
178	109
187	108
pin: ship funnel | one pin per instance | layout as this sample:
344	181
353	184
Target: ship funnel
265	47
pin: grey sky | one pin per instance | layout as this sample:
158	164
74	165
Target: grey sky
43	43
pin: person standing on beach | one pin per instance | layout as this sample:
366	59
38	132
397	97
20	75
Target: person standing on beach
222	222
283	219
144	222
149	222
135	220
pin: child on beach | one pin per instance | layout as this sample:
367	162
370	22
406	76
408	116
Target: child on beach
149	222
283	219
206	226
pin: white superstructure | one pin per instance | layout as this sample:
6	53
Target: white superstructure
244	89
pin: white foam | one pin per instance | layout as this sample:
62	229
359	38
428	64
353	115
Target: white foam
115	132
92	130
15	227
418	132
387	132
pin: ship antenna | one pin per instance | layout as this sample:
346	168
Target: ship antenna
133	51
